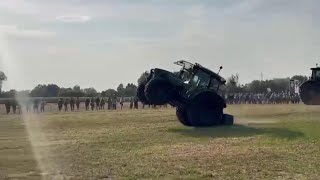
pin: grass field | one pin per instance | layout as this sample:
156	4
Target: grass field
268	142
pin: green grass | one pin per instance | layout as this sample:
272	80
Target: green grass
268	142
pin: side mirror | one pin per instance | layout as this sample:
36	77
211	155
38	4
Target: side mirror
220	69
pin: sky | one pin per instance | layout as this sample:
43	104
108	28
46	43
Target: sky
102	43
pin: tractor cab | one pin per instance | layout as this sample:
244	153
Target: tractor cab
197	76
315	74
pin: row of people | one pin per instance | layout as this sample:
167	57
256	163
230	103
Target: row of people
14	105
72	104
93	103
269	98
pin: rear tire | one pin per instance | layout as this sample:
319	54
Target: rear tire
201	116
310	93
182	116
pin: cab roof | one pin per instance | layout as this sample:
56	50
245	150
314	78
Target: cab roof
315	68
198	66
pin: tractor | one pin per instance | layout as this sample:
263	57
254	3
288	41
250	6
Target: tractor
310	90
195	91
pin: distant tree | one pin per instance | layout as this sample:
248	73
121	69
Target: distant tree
300	78
25	93
76	88
3	77
233	85
143	77
68	92
39	91
42	90
9	94
90	92
121	90
109	93
52	90
130	90
255	87
276	85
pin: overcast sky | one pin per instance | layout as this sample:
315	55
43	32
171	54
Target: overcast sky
101	43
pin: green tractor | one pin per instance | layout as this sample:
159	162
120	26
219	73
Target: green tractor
194	91
310	90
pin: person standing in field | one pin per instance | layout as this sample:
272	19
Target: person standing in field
78	103
87	103
136	103
60	104
42	104
28	105
36	106
109	103
92	104
14	106
72	104
131	102
66	102
114	103
102	103
121	103
8	106
97	103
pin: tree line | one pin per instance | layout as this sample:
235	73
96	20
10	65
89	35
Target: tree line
129	90
277	85
53	90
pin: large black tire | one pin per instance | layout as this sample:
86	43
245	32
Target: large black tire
202	116
206	109
158	91
182	116
140	94
310	93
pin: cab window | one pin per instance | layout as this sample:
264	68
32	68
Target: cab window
214	84
316	74
200	79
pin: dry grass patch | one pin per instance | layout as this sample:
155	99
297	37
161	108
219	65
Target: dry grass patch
275	142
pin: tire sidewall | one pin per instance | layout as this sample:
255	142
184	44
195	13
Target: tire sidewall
158	91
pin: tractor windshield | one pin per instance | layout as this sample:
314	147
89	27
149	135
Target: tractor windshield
186	73
200	79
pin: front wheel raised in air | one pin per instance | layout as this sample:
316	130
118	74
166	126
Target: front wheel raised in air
158	91
140	93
